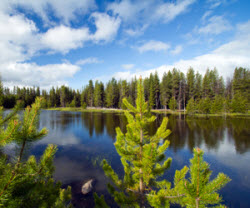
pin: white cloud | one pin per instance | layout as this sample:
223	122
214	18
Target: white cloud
106	27
216	3
31	74
225	58
17	37
216	25
150	10
169	11
20	40
177	50
64	10
136	31
147	12
90	60
128	66
63	38
206	15
126	9
153	45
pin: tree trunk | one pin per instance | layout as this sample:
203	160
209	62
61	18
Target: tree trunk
196	203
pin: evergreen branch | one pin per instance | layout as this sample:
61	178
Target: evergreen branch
33	119
44	165
13	129
9	116
166	197
9	182
198	169
217	185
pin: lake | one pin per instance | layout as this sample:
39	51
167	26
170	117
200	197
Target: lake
84	139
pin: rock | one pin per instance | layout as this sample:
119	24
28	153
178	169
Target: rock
87	187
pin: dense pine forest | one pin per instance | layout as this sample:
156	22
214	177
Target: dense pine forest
176	91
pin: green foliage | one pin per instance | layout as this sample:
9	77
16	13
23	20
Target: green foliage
198	190
191	106
84	105
204	105
172	104
217	105
174	84
112	94
241	82
143	159
28	183
166	88
100	201
195	192
98	94
1	92
191	83
141	155
72	104
238	103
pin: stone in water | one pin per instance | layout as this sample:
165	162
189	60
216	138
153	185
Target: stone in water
87	187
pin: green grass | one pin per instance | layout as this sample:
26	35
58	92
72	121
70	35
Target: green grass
112	110
221	115
79	109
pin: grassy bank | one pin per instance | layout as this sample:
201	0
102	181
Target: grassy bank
78	109
159	111
221	115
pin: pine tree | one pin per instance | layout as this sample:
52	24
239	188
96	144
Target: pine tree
30	183
195	192
123	92
63	96
141	155
241	82
238	103
1	92
132	91
98	95
175	83
206	85
191	107
191	83
198	191
146	84
90	95
166	88
52	97
198	86
172	104
152	91
182	91
157	90
151	100
204	105
217	105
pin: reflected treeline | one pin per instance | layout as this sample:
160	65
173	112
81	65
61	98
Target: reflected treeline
239	130
215	130
186	132
103	122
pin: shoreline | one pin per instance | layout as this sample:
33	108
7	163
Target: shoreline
158	111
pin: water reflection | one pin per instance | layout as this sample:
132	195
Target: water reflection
84	139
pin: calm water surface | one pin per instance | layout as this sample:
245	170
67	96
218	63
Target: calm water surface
84	139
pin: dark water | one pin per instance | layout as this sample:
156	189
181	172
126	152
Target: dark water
84	139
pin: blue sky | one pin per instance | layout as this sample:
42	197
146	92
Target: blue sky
50	42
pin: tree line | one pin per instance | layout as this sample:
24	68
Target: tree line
175	91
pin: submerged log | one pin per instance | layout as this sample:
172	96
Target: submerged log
87	187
